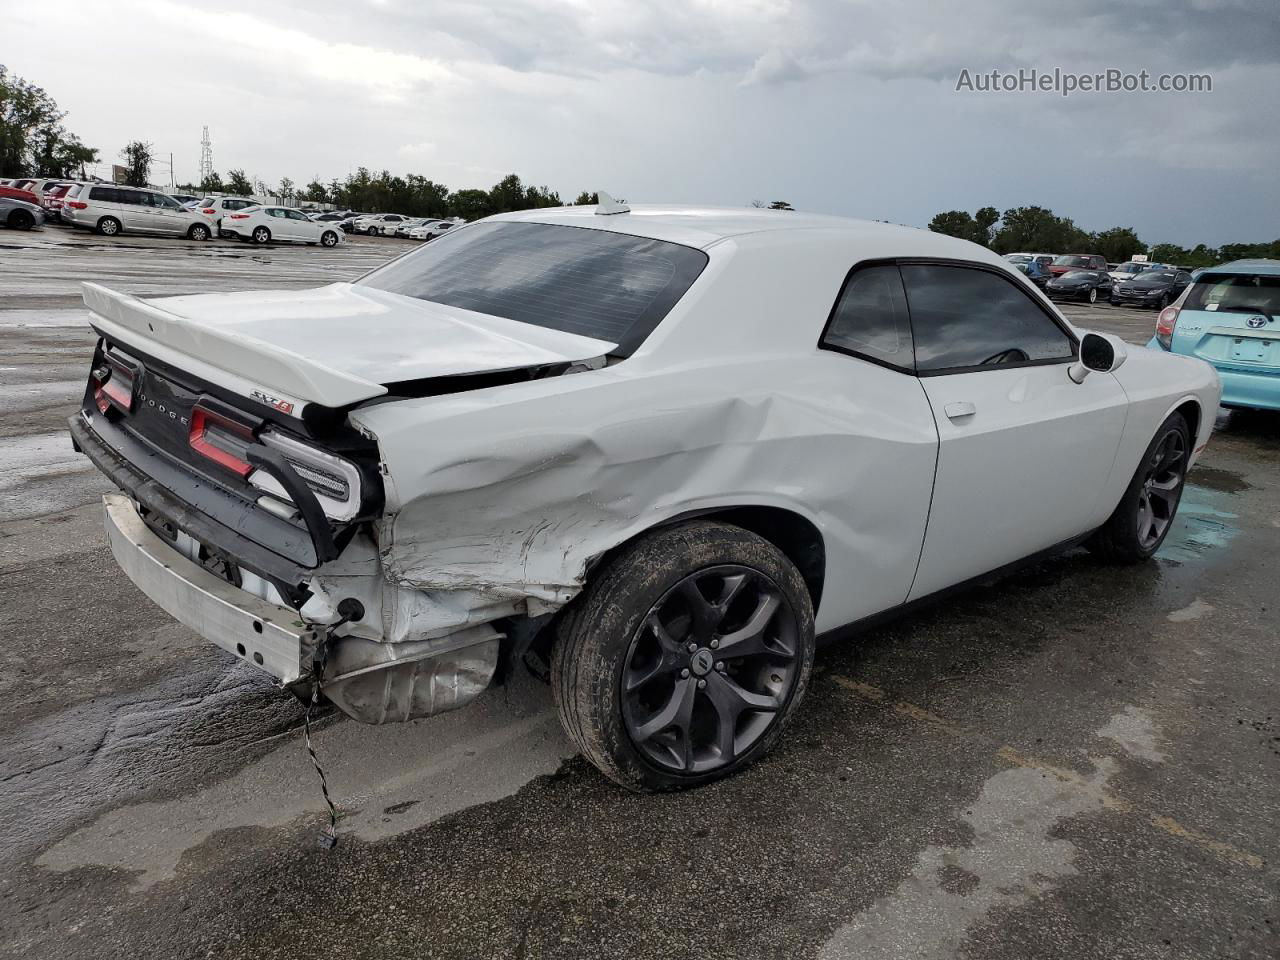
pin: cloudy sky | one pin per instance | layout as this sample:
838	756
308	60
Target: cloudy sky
838	106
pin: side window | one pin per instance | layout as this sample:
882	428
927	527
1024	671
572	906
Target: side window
965	317
870	318
103	194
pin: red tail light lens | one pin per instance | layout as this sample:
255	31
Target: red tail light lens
220	439
1165	324
209	210
239	216
76	205
113	383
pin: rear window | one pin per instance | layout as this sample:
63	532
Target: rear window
1068	261
589	282
1235	292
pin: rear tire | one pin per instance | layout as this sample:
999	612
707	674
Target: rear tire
622	665
1141	521
198	232
108	226
261	235
21	220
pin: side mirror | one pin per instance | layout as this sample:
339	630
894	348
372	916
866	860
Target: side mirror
1099	353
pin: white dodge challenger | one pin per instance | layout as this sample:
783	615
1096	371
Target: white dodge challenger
654	450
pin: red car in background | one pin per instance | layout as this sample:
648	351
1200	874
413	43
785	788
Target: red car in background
16	193
53	199
1077	261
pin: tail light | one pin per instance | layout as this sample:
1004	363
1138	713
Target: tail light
221	439
334	481
209	211
1165	324
77	205
114	382
239	216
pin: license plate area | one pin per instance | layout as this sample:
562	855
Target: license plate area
1249	351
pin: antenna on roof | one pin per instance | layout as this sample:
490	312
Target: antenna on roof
608	206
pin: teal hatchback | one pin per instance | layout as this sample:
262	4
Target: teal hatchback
1230	317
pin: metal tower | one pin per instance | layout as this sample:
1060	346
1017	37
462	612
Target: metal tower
206	156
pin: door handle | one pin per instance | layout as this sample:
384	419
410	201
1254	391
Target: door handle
960	408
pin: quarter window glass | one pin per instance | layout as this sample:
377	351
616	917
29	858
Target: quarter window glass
963	317
871	318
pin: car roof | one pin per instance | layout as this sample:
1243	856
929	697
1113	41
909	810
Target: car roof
1265	267
703	226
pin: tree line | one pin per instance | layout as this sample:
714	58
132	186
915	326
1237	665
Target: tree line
412	195
1036	230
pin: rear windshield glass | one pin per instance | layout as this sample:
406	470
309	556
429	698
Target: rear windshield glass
1069	261
594	283
1235	292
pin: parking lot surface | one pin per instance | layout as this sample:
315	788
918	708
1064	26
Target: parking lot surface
1078	761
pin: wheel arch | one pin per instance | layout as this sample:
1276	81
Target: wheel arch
794	534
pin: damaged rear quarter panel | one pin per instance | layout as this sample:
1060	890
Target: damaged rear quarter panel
512	491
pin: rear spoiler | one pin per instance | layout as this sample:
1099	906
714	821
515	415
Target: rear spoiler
260	371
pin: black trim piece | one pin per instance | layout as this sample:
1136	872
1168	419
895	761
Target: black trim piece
205	512
274	462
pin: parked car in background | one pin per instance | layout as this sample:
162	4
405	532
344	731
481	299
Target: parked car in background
1152	288
216	208
1124	272
53	199
360	456
1229	316
15	193
184	198
1034	272
263	224
402	231
19	214
433	228
328	217
379	224
1086	285
1077	261
111	209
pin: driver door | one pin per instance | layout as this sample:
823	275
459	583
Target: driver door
1024	451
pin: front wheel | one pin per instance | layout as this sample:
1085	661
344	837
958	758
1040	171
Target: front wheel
1140	522
683	660
329	239
1093	294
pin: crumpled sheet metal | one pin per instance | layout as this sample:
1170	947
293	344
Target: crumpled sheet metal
504	503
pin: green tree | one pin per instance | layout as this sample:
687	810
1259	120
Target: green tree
212	183
954	223
1117	244
507	195
137	163
1036	230
780	205
470	204
590	199
32	138
285	190
238	183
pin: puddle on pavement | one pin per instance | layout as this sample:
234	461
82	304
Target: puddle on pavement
1204	524
386	780
1215	478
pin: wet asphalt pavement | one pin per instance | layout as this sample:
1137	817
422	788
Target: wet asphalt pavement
1079	761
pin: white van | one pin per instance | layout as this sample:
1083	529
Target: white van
111	209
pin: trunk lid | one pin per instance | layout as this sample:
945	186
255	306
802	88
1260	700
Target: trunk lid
334	346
